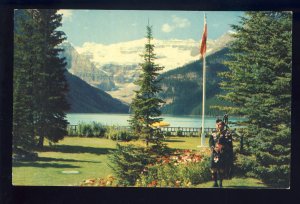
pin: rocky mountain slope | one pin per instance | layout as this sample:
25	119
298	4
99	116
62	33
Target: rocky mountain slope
171	53
84	98
81	66
120	61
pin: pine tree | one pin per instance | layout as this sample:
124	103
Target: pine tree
39	81
50	82
146	105
24	40
129	161
258	83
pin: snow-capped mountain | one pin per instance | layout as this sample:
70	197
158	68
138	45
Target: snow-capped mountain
81	66
170	53
114	67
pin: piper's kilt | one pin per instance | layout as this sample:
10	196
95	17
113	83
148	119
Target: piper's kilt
217	160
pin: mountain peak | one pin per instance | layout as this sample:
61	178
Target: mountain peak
171	53
115	67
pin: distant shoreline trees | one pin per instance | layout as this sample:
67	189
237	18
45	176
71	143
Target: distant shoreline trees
40	86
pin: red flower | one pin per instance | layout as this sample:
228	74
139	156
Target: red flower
152	184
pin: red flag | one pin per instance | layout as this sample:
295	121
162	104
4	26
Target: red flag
203	41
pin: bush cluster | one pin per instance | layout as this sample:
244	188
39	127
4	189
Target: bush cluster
179	133
117	134
144	167
108	181
245	165
88	130
98	130
129	161
183	170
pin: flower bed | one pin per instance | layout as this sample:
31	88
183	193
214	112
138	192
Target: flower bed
109	181
182	168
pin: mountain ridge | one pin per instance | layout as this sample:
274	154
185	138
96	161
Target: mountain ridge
171	53
120	61
182	87
85	98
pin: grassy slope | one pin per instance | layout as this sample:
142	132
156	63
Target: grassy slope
89	157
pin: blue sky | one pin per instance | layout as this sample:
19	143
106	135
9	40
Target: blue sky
113	26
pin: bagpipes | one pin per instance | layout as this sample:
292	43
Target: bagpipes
225	120
217	151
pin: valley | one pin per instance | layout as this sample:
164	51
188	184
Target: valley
114	68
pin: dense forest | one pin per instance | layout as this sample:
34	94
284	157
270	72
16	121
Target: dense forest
182	87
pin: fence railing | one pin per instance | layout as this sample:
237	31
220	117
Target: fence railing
186	131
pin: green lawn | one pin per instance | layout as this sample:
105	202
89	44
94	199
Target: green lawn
236	183
185	142
89	156
86	155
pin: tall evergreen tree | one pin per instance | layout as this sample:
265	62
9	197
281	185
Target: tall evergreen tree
146	104
40	71
50	83
24	40
258	83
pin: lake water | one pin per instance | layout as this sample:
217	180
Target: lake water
122	120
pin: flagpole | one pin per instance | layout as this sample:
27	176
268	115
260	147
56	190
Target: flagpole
203	94
203	102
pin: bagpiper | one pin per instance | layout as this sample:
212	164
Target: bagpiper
220	143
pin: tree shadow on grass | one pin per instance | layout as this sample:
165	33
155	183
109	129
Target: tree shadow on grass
43	165
78	149
50	159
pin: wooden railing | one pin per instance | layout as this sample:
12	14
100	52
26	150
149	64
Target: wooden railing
186	131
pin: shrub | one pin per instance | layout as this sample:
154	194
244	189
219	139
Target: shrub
245	165
191	134
114	133
168	133
98	130
123	135
160	149
176	171
179	133
128	162
111	132
108	181
88	130
71	131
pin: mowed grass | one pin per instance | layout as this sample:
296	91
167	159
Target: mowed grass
236	183
89	156
192	143
86	155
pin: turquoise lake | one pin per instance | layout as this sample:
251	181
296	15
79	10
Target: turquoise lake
122	119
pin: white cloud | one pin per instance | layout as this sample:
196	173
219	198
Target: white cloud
180	22
166	28
172	53
67	14
176	23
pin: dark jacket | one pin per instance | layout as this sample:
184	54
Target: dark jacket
224	157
